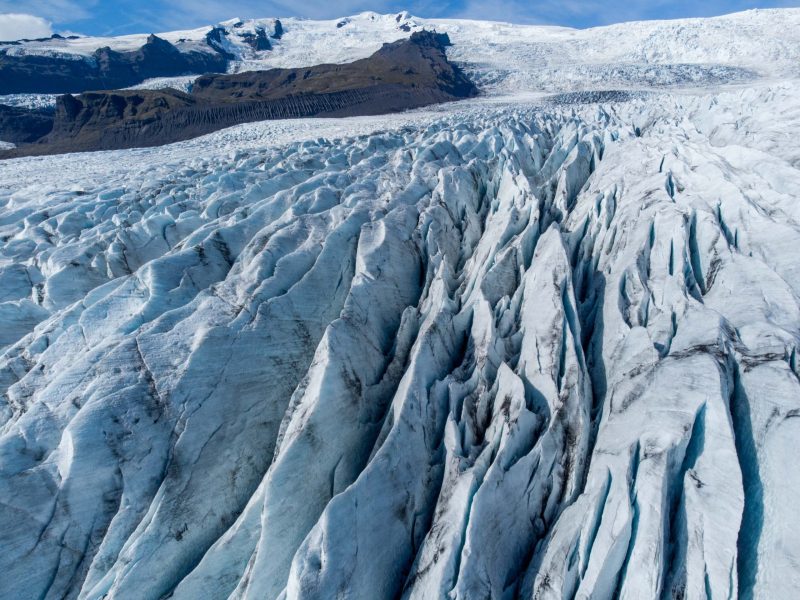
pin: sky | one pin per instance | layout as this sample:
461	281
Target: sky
39	18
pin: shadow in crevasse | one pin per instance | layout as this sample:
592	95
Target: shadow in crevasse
753	516
591	295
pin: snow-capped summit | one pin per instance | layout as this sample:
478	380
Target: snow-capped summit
504	58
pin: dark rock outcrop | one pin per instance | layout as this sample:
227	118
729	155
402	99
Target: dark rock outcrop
258	40
216	40
46	75
105	69
21	125
104	120
418	63
278	30
406	74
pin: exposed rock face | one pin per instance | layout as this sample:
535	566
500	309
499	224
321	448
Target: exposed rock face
418	63
277	32
157	58
21	125
257	41
105	69
96	120
216	39
401	75
46	74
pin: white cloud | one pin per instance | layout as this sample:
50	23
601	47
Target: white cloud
56	11
17	26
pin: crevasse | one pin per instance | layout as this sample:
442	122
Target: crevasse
525	354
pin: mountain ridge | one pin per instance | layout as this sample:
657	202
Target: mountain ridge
405	74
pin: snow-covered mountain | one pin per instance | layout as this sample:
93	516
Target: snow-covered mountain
503	58
511	347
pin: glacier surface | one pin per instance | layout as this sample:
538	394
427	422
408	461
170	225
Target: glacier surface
502	349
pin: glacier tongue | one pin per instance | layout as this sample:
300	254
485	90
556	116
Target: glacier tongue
517	353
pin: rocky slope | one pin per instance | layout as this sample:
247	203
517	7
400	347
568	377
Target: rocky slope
77	64
404	74
23	125
104	69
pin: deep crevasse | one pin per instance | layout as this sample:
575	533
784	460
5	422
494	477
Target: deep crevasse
527	354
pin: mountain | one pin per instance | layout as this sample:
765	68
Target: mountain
76	64
505	58
408	73
538	343
24	125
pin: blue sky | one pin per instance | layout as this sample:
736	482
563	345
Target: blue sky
115	17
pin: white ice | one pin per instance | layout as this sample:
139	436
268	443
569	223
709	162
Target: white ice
496	349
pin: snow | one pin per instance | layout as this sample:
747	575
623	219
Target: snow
36	101
509	58
507	347
182	83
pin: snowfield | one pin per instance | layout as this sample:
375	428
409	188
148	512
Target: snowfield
513	347
503	58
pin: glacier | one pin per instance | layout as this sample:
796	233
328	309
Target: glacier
508	348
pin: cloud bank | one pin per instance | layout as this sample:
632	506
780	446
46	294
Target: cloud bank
17	26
